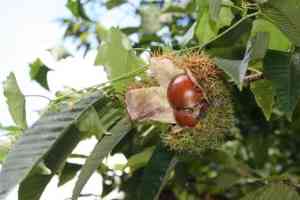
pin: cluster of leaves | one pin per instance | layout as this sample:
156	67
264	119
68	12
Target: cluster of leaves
246	39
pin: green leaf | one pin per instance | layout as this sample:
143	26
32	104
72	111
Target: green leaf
5	145
59	53
68	173
77	9
188	36
214	9
277	41
285	16
232	69
206	30
283	69
156	173
232	45
226	179
264	96
150	16
102	32
258	46
101	150
38	72
54	161
139	160
226	17
118	57
114	3
90	124
38	140
15	101
278	191
36	181
237	69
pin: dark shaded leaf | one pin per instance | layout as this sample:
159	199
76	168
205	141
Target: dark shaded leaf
101	150
156	173
38	72
237	69
77	9
54	161
36	181
114	3
36	142
139	160
68	173
264	96
283	69
277	191
286	16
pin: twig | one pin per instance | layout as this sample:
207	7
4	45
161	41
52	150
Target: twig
200	47
37	95
86	195
254	77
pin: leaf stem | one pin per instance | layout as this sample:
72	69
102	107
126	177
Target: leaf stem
36	95
200	47
233	6
125	76
101	85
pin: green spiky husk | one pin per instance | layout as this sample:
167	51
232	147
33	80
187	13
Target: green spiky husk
219	120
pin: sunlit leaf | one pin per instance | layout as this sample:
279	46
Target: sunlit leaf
118	57
205	29
15	101
150	16
277	41
214	9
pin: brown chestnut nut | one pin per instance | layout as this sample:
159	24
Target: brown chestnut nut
185	118
184	93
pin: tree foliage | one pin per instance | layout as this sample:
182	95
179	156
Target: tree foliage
254	42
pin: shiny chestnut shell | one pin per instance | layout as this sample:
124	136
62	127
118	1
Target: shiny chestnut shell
185	118
183	92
